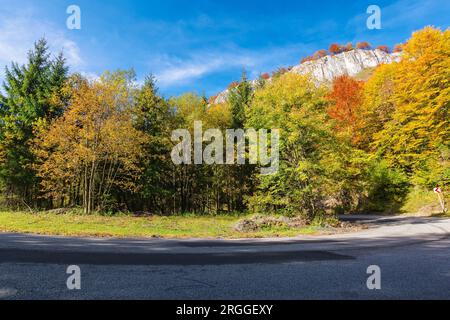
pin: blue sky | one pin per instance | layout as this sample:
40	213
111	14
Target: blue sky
200	45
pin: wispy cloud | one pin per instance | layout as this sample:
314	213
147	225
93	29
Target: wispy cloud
19	31
173	70
177	70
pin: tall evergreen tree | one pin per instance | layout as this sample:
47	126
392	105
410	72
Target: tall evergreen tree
29	90
240	98
240	180
155	119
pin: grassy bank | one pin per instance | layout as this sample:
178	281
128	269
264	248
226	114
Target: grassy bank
422	202
127	226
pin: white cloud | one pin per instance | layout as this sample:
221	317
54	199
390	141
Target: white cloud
71	52
172	71
91	76
179	71
20	30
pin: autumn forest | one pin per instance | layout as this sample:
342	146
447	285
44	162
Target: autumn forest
104	145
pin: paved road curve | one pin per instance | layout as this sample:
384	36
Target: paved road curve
413	254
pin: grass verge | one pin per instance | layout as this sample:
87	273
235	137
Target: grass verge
128	226
422	202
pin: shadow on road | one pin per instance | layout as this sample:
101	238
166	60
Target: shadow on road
81	258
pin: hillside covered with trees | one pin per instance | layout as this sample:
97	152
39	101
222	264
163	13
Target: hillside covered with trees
105	145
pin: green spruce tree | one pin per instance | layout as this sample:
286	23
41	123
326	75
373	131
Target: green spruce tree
27	100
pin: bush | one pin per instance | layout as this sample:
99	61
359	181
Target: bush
212	99
435	171
279	72
384	48
398	48
233	85
387	188
320	54
364	45
335	49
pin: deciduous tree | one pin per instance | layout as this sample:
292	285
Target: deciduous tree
346	99
94	147
364	45
419	125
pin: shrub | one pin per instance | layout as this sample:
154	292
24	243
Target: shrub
320	54
279	72
435	171
398	48
335	49
384	48
364	45
387	189
212	99
233	85
349	47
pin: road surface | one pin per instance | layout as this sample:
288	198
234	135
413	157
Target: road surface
412	253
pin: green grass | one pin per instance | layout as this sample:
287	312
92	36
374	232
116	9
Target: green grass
421	201
71	224
365	74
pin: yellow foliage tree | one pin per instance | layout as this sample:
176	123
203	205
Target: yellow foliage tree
378	104
93	147
420	123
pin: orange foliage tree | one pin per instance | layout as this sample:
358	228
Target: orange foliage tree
306	59
364	45
335	48
398	48
346	98
384	48
320	54
233	85
212	99
348	47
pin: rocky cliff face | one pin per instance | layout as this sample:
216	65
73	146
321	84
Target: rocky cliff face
348	63
326	69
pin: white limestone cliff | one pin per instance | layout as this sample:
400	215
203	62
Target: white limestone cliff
327	68
347	63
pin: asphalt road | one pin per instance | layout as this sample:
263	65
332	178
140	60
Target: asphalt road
412	253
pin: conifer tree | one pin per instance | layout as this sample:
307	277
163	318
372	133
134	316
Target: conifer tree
27	100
